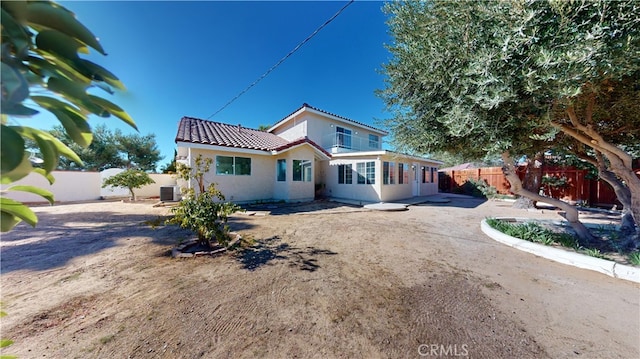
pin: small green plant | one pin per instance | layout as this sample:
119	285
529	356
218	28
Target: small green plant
634	258
206	214
129	179
533	232
593	252
5	342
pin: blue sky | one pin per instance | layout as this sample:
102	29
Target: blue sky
190	58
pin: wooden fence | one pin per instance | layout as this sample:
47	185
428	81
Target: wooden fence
577	186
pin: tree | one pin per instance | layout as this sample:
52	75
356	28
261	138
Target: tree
110	150
511	77
129	179
42	69
138	151
101	154
170	167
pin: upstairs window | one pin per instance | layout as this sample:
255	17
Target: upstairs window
374	141
343	137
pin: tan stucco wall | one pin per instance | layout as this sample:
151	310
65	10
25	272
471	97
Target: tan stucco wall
262	184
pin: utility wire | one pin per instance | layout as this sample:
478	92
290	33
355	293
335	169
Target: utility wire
282	59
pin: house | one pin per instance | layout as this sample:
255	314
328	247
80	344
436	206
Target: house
310	152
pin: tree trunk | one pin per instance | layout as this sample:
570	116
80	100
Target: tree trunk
627	226
571	213
532	181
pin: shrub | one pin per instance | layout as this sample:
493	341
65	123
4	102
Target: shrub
206	214
533	232
129	179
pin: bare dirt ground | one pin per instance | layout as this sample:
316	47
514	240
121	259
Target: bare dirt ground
324	281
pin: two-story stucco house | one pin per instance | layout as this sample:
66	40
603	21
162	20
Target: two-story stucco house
310	151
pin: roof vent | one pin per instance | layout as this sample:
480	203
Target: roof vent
239	127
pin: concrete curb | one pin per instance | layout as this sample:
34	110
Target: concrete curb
604	266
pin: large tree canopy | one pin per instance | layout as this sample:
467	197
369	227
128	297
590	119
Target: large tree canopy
110	149
511	77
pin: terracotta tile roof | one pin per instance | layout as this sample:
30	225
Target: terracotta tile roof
195	130
300	141
330	114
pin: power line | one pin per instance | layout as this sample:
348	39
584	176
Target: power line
282	59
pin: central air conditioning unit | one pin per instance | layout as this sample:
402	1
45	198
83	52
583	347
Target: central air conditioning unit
169	193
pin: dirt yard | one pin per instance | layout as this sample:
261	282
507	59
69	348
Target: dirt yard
93	280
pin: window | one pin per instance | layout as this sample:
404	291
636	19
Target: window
366	172
360	170
343	137
403	173
224	165
281	170
371	172
424	174
227	165
388	172
433	171
242	166
302	170
374	141
345	174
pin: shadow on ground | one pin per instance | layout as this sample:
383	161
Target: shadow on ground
284	208
271	249
458	201
57	239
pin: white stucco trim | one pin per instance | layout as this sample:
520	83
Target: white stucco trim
321	154
385	153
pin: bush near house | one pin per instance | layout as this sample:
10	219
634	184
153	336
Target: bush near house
206	214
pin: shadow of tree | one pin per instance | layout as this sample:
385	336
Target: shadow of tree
269	250
59	238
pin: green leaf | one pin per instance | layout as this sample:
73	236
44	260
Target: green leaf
8	221
72	120
50	156
60	44
23	169
114	110
16	109
15	88
53	16
16	209
99	73
15	33
11	145
45	174
76	94
35	190
60	147
52	65
5	343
